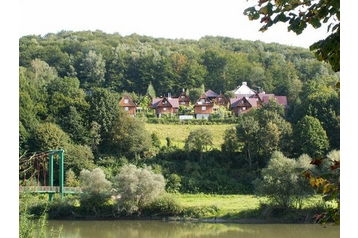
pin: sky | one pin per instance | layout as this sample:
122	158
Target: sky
188	19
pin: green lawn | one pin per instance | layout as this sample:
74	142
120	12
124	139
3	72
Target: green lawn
178	133
229	206
226	206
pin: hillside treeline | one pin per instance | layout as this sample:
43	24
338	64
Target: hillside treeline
71	82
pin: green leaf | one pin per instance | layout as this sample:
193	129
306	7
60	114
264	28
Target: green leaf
315	22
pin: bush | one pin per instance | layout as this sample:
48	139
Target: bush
282	181
96	190
164	205
137	187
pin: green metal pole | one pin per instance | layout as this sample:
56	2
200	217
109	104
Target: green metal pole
61	172
50	164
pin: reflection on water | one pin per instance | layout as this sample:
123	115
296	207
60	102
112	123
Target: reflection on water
161	229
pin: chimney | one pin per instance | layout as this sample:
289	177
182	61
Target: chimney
169	95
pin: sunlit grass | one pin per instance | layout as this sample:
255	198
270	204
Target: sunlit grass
227	206
179	133
230	206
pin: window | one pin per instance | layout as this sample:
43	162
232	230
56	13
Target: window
126	108
164	108
182	103
243	108
203	108
126	101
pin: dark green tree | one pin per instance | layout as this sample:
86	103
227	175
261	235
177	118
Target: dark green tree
199	140
104	110
310	137
247	131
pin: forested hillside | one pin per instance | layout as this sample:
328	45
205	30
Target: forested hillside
71	83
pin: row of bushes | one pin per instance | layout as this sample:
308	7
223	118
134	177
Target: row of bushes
71	208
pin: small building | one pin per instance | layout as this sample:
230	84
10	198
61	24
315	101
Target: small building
128	105
183	99
165	105
243	91
242	105
221	101
203	107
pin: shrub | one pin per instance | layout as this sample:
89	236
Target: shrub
282	181
96	190
137	187
164	205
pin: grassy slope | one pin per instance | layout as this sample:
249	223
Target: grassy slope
178	133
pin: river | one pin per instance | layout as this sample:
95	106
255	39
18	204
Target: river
164	229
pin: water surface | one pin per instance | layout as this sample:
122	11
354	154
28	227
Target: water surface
163	229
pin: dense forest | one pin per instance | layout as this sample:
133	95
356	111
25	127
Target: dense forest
71	83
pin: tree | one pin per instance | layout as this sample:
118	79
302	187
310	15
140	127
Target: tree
49	136
300	13
96	189
71	179
130	138
282	183
310	137
79	157
151	90
104	110
137	187
247	132
199	140
231	143
93	70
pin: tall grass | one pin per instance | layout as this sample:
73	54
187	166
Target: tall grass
31	226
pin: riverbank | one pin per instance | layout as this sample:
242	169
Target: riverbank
244	209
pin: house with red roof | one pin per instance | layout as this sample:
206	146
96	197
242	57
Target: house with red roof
242	105
165	105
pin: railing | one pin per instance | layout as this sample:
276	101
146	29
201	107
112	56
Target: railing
49	189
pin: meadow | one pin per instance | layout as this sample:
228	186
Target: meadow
179	133
237	207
